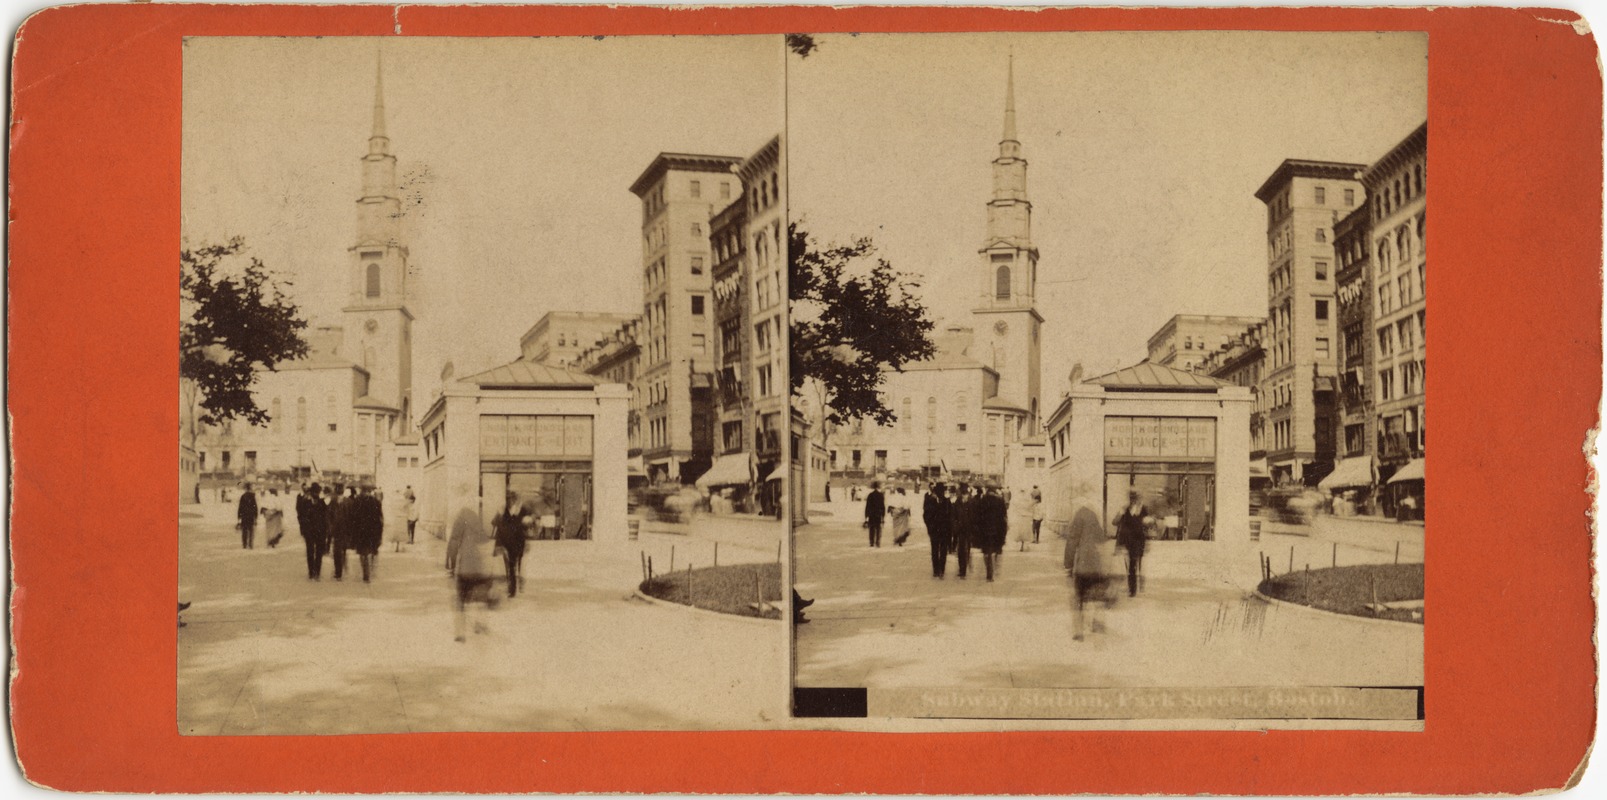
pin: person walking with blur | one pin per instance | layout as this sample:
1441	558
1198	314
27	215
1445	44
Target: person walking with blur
509	530
246	513
1131	537
875	511
935	513
410	512
466	560
1085	566
272	512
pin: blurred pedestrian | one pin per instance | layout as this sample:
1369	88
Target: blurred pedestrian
509	529
1085	566
935	513
368	530
1131	525
313	520
875	510
273	518
246	512
410	512
467	561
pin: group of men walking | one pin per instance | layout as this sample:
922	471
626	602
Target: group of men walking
336	519
963	517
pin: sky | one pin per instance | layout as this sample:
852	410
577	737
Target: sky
516	156
1144	149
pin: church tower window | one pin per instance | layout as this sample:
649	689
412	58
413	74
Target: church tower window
1001	280
373	280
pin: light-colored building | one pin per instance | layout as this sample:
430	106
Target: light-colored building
559	337
346	407
1304	200
1180	439
1187	339
680	194
1241	362
552	437
1399	263
616	359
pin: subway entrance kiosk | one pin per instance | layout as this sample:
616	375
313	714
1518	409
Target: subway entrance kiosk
552	440
1181	440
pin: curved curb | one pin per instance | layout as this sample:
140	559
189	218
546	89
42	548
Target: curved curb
1313	609
640	595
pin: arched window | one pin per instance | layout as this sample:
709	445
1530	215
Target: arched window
1001	283
373	280
931	413
905	417
301	413
1403	244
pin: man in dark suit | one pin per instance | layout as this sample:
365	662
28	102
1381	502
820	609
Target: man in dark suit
313	520
875	510
368	529
935	513
340	529
247	514
962	527
994	525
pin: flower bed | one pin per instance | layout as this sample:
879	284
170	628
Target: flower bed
1353	590
730	589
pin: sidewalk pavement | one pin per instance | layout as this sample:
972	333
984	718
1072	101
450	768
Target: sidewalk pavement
267	651
881	620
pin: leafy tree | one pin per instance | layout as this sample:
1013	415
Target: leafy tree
234	321
853	316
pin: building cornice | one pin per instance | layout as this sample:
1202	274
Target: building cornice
1303	168
686	162
1415	144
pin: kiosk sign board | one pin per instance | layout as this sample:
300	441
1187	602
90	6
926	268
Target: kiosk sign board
535	436
1160	438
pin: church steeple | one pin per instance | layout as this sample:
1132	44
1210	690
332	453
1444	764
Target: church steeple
1009	146
378	142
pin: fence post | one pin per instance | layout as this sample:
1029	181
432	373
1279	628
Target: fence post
649	567
1397	551
689	585
672	558
716	554
1291	558
1336	553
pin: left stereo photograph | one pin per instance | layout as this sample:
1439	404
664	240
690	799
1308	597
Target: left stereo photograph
483	385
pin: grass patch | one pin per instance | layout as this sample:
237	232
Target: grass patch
1349	590
729	590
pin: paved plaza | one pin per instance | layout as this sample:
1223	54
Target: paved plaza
881	619
266	651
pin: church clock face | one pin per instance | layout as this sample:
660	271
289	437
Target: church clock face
371	325
1001	327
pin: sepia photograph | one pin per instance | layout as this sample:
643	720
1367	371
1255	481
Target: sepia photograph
483	419
1140	438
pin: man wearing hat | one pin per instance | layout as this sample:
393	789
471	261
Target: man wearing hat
1130	536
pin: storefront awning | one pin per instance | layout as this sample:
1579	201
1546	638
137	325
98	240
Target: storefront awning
1413	471
1258	468
728	470
634	466
776	473
1350	472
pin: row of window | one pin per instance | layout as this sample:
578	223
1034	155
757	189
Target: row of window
1406	187
1403	335
1405	380
1403	290
695	188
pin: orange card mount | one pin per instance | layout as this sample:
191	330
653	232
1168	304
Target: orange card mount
1515	97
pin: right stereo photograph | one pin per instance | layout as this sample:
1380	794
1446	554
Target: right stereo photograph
1138	442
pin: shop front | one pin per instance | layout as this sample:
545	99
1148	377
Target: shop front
1180	440
548	441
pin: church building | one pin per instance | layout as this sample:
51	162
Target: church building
346	408
972	409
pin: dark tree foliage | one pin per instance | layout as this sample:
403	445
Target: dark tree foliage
801	43
235	324
854	323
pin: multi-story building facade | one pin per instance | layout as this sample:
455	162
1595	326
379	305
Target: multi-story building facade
680	194
764	235
1304	200
1354	293
1187	339
1399	265
1241	362
616	358
733	350
559	337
